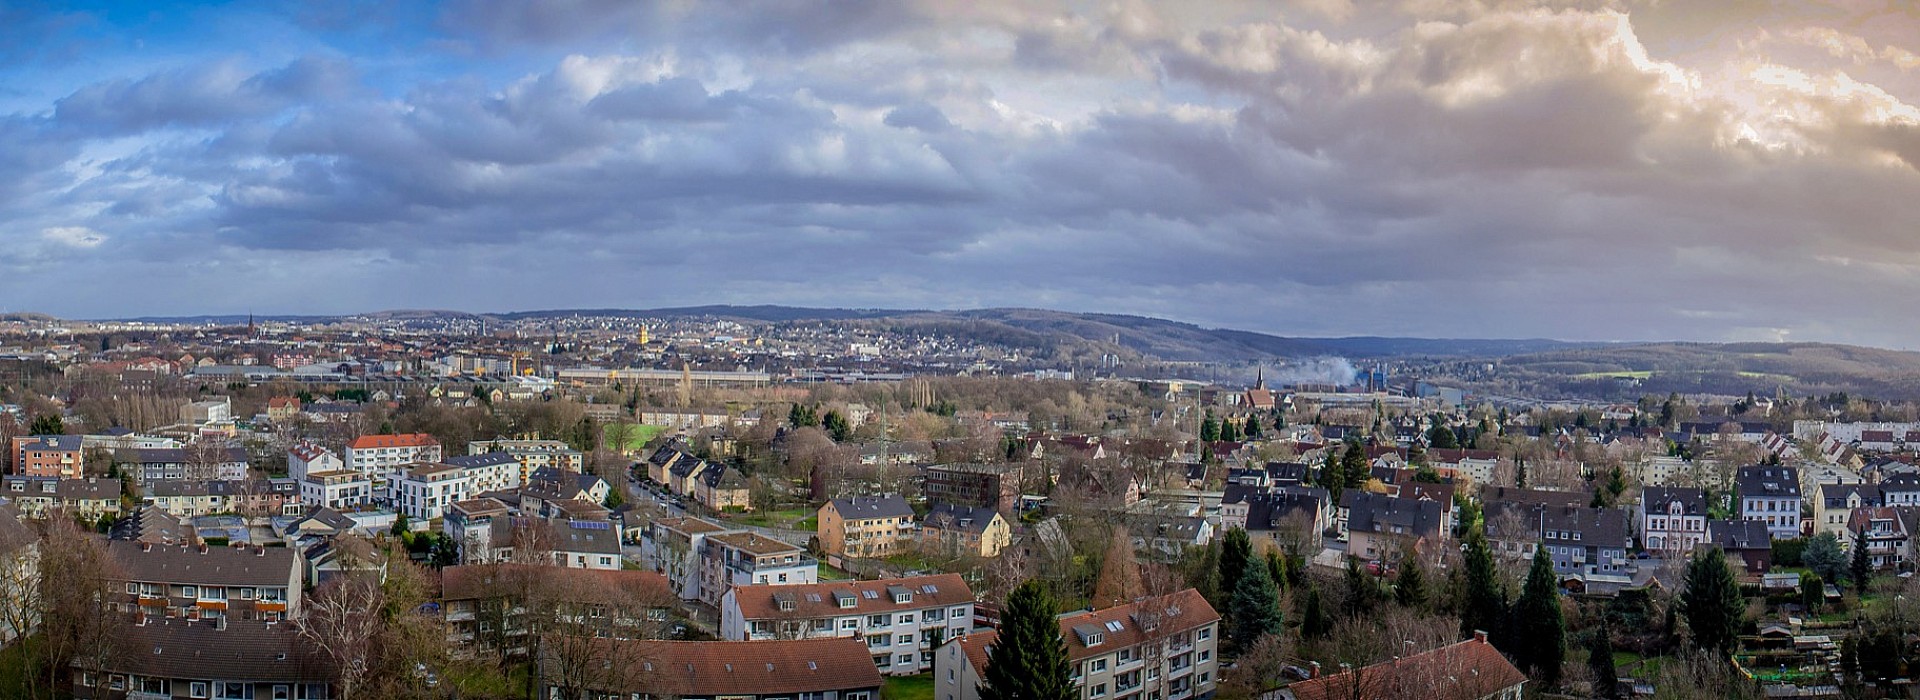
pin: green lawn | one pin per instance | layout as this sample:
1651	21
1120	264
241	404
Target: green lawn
474	680
637	437
808	524
918	687
772	518
828	573
1615	375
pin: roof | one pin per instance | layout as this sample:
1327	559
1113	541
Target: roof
1734	535
690	525
207	566
1369	512
485	459
244	650
306	451
1835	495
823	599
64	443
88	489
1655	500
752	669
947	516
1490	494
1765	481
1466	670
371	442
753	543
175	455
473	582
1597	527
14	534
867	508
1136	622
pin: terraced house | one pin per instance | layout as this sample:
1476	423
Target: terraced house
1160	648
902	621
36	496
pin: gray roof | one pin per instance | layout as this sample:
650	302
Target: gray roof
864	508
1766	481
211	566
67	443
174	455
1733	535
91	489
1372	512
947	516
485	459
1599	527
14	534
243	651
1835	495
1656	499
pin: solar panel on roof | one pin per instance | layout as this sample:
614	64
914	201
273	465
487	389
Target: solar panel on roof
873	595
589	525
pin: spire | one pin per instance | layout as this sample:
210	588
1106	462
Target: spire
1260	375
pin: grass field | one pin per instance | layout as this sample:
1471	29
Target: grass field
1643	374
918	687
772	518
637	437
828	573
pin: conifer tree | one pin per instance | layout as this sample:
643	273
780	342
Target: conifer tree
1711	601
1485	601
1029	659
1315	622
1860	569
1541	638
1410	583
1600	663
1256	607
1236	550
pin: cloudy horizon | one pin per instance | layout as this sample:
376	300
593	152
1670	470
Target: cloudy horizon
1707	170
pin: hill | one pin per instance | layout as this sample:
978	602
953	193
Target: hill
1799	369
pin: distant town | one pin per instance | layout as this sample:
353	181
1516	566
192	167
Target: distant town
607	506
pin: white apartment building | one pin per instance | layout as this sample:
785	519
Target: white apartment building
902	621
1771	494
424	492
1672	520
305	458
1164	648
340	489
378	456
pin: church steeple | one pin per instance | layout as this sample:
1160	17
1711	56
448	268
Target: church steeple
1260	376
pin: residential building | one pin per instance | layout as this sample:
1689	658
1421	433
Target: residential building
486	606
48	455
1886	532
1282	512
1161	647
1673	520
380	455
1837	503
471	526
492	471
684	476
188	499
36	496
866	526
673	546
282	408
533	454
996	486
723	489
305	458
1750	541
1469	670
1770	494
732	559
424	491
1900	490
19	570
339	489
901	621
1380	527
974	531
207	583
809	669
562	484
1582	542
177	658
196	462
218	410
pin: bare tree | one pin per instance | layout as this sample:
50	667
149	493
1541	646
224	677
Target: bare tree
341	620
81	629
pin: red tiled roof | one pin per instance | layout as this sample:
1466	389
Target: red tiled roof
758	668
1139	621
818	599
1466	670
368	442
478	581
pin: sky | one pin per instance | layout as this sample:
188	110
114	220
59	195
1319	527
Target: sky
1585	169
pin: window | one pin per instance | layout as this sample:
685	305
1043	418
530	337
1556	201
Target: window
859	696
876	640
905	619
190	591
1098	666
903	639
906	659
1098	691
197	690
849	624
876	620
1205	654
1204	633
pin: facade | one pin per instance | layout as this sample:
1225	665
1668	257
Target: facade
305	458
732	559
379	455
813	669
975	531
1837	503
187	499
36	496
1673	521
340	489
1469	670
485	612
1770	494
470	524
188	582
1379	527
19	569
1886	532
1164	647
1746	540
48	455
723	489
672	546
533	454
865	526
493	471
996	486
200	462
175	658
900	621
1581	541
424	491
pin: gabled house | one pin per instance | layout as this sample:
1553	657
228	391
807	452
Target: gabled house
1770	494
1469	670
1673	521
975	531
866	526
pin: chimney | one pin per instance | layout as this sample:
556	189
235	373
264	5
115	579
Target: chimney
1480	636
1313	669
1346	668
203	548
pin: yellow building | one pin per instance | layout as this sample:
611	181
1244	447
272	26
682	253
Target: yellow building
950	530
866	527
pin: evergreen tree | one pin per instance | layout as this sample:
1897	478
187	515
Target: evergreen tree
1362	589
1485	601
1209	427
1711	600
1442	438
1600	662
1541	638
1315	623
1330	477
1520	473
1029	660
1277	568
47	424
1236	550
1812	592
1353	464
837	426
1253	428
1824	556
1256	608
1410	583
1599	499
1861	569
1229	431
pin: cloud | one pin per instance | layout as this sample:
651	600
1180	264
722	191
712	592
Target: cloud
73	236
